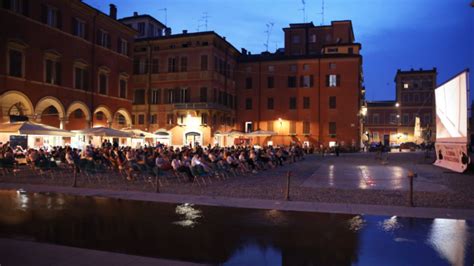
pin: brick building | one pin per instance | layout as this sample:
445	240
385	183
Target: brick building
184	87
309	92
393	122
65	64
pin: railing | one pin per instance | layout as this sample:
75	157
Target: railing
201	105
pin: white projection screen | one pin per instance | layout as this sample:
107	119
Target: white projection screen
451	124
451	110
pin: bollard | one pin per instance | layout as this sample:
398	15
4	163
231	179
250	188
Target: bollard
74	169
288	175
157	184
410	176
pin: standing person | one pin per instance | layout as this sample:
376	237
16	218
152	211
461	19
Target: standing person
321	149
336	149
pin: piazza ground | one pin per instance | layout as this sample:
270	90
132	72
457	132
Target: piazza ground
357	178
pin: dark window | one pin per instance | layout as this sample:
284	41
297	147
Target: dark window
172	67
270	103
151	30
292	103
141	28
248	83
18	6
351	50
204	62
141	119
184	64
332	102
204	119
306	81
270	82
155	96
155	66
81	78
170	119
123	88
153	119
306	103
16	63
51	16
78	28
102	83
332	128
333	80
78	114
103	38
291	82
306	127
248	104
203	94
139	97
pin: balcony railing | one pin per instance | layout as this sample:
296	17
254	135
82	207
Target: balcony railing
201	105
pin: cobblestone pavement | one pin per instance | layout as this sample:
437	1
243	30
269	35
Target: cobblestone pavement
350	178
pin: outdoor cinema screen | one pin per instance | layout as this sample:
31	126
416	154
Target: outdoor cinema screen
451	110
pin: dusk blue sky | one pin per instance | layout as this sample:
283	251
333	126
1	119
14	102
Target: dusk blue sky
394	34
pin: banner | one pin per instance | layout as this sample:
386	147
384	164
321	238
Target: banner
452	156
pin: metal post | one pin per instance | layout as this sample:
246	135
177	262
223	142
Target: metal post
410	176
288	175
75	176
157	184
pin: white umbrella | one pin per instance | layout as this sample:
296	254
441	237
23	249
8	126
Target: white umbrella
261	133
30	128
104	132
137	133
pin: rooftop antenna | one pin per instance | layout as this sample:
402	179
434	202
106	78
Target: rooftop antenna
322	12
166	15
204	18
304	10
268	32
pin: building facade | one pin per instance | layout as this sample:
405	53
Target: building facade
64	64
310	93
393	122
184	87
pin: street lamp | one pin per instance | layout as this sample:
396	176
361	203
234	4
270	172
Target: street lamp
397	104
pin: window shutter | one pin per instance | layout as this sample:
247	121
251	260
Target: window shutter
311	81
73	26
98	37
85	80
26	8
44	13
58	73
338	80
109	41
60	20
86	32
327	80
301	81
119	46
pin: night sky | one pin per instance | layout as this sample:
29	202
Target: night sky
394	34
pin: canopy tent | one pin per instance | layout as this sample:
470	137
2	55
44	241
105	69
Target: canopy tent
104	132
137	133
30	128
231	133
261	133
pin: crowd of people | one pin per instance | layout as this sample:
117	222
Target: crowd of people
188	162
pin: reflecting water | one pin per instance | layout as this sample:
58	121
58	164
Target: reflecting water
233	236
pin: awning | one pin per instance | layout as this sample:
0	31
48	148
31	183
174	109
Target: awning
30	128
137	133
104	132
261	133
232	133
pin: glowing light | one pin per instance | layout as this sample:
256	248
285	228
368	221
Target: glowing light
397	105
189	213
449	238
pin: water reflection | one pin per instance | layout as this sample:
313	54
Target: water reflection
188	214
390	225
448	237
233	236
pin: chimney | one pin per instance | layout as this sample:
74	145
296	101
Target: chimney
244	51
185	31
223	37
135	13
113	11
167	31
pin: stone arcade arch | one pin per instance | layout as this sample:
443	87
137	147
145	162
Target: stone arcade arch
78	116
15	103
51	116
